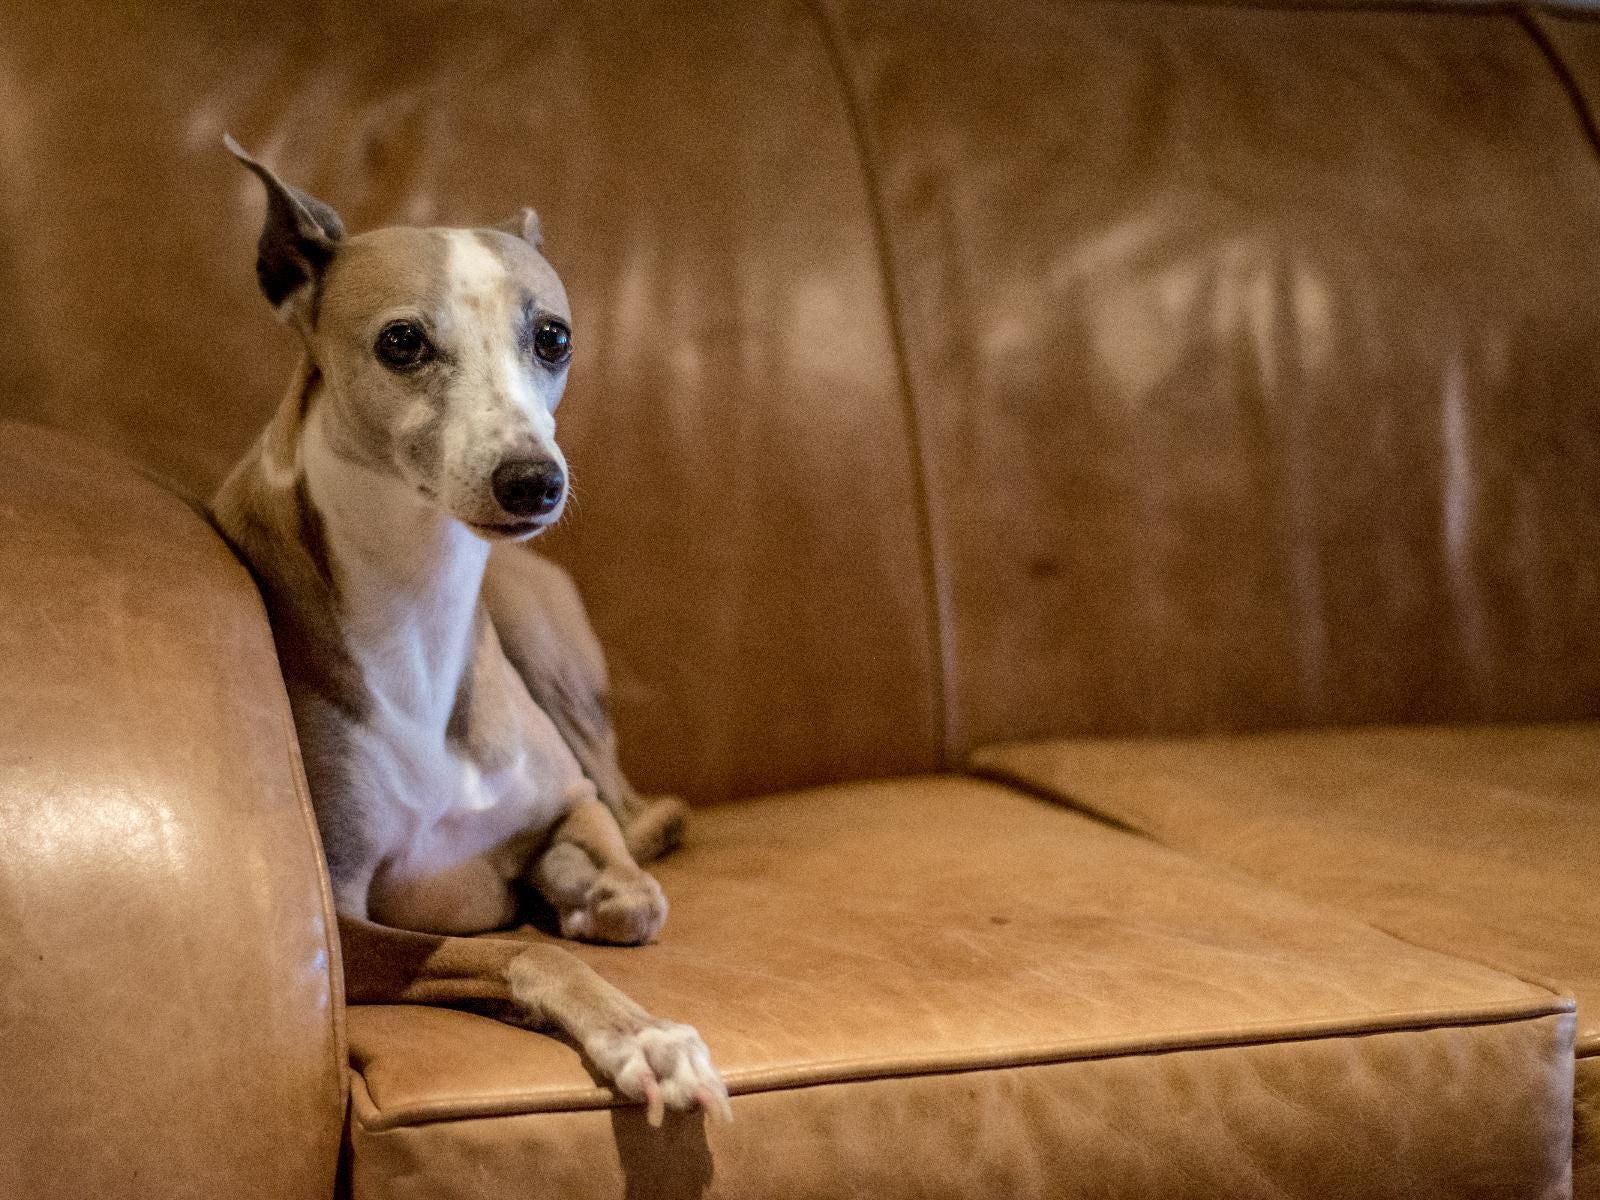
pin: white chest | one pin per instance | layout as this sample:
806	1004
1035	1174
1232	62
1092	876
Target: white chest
408	579
439	807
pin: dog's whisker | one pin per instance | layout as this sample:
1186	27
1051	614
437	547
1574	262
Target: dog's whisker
572	504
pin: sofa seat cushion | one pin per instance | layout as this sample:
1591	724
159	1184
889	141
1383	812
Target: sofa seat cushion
946	987
1480	841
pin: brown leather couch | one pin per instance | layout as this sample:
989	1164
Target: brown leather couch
1097	502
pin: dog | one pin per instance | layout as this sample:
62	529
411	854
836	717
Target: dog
447	690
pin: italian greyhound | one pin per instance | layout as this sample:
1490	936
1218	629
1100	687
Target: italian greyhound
447	689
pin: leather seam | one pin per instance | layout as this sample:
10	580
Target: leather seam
934	570
846	1071
1446	8
1531	17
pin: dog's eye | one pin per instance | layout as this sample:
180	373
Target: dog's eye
402	344
552	342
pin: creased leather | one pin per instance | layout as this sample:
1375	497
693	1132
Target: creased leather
1586	1128
1470	1114
1570	35
1252	354
1479	842
951	928
170	1013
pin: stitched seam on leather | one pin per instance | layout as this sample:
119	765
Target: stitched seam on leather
934	570
1549	985
865	1070
1530	18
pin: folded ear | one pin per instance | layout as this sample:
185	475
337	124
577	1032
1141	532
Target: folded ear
297	242
525	225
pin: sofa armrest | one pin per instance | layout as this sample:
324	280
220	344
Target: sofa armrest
171	1018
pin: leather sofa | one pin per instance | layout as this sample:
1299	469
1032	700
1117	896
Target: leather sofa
1096	503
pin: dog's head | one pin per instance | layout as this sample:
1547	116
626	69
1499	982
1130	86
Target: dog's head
443	353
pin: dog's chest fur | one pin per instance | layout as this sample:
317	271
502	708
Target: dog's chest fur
465	766
449	739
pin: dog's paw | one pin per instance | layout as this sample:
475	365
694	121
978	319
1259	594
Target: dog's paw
620	909
663	1064
655	827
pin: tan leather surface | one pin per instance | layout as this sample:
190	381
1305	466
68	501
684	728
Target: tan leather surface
734	420
937	926
884	971
169	1023
1241	360
1247	349
1470	1114
1253	357
1586	1128
1477	842
1570	35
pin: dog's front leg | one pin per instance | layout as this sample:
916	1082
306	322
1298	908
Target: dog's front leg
587	873
658	1062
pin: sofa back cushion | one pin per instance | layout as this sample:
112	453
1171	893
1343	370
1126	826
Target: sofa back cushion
1256	357
947	373
745	530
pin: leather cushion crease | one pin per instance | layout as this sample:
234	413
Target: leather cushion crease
855	948
164	929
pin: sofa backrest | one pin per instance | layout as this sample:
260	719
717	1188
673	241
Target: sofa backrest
1256	357
948	372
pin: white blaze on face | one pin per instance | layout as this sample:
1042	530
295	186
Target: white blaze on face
473	269
495	408
483	304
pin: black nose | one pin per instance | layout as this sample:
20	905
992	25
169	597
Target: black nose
529	487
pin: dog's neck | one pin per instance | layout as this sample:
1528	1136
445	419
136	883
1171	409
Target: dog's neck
408	577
